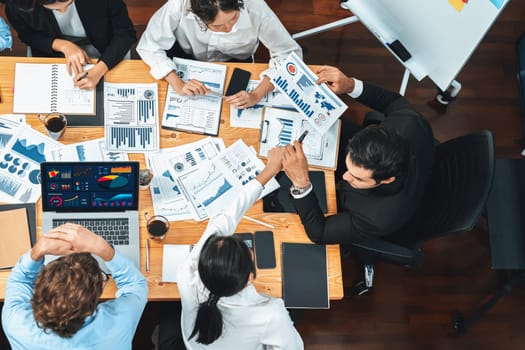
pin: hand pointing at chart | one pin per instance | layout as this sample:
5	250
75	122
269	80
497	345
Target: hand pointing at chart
336	80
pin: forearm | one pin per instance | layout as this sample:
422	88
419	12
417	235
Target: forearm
380	99
20	284
176	83
264	87
312	216
128	278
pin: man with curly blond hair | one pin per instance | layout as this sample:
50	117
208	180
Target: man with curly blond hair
56	306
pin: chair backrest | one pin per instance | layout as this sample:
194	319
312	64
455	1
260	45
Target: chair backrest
457	190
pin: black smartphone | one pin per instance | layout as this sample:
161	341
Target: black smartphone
238	82
400	50
248	239
264	250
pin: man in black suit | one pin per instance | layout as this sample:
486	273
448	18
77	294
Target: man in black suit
385	170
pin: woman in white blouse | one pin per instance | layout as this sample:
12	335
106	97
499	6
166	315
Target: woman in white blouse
221	309
215	30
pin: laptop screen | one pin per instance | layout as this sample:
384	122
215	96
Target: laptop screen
89	186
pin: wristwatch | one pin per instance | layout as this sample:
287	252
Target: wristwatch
297	191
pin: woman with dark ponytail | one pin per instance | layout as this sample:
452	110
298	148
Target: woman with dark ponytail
220	307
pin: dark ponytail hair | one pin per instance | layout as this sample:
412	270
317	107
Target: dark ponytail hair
207	10
225	264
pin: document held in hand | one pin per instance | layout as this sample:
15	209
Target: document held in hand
317	103
42	88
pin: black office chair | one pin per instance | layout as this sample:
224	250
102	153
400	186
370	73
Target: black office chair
453	201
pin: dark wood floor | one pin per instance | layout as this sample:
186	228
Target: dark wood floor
410	309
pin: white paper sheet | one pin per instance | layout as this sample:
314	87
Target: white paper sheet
20	165
131	117
168	199
318	104
173	255
198	114
282	127
88	151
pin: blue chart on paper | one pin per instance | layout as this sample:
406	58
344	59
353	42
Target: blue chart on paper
33	152
8	185
126	92
81	153
240	111
220	191
304	83
189	158
146	110
4	139
128	137
294	95
285	136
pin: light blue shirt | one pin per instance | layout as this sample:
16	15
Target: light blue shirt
111	326
6	41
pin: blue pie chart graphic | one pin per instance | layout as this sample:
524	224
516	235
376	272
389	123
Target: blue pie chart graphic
112	181
34	176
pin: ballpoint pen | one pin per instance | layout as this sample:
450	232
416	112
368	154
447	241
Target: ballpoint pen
147	254
83	75
303	135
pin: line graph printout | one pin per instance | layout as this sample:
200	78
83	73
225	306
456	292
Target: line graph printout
251	117
167	165
215	183
131	115
281	127
201	113
88	151
20	165
9	124
318	104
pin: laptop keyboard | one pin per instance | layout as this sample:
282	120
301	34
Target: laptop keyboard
115	231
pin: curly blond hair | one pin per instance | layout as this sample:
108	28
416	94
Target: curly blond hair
67	290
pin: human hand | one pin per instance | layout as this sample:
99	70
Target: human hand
295	164
47	245
88	80
76	57
191	88
82	240
336	80
242	99
274	161
273	166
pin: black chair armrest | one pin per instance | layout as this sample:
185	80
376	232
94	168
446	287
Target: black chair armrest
377	249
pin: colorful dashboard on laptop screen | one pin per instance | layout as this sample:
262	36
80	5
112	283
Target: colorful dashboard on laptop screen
85	186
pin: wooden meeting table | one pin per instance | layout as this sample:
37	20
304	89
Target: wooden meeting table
288	227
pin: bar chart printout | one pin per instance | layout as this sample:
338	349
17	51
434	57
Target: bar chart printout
320	105
131	114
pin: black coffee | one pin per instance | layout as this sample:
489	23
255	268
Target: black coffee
157	228
55	124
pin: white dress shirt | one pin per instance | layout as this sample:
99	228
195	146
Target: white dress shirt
251	320
175	22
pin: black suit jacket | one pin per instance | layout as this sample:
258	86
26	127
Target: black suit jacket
383	210
106	22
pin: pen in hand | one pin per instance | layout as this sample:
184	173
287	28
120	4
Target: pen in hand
303	135
82	76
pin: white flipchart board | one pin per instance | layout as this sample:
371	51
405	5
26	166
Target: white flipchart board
439	38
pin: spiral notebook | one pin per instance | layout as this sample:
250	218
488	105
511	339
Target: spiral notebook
42	88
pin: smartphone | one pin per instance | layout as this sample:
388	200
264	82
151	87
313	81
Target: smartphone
238	82
248	239
264	250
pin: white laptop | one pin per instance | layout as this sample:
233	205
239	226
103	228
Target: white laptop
101	196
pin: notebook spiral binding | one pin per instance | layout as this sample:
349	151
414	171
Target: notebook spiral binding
54	89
